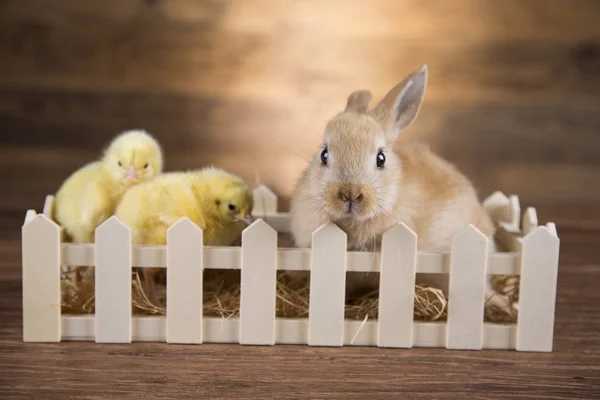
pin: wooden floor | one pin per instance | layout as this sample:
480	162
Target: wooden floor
513	100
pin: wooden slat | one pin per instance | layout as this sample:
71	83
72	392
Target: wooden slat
530	221
497	205
49	207
258	280
41	280
515	212
552	228
265	201
537	291
184	282
113	282
289	331
397	287
466	291
29	216
289	259
327	287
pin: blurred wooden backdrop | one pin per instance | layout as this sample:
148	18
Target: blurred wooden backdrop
513	96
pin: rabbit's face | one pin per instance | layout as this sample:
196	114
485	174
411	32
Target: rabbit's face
356	175
356	169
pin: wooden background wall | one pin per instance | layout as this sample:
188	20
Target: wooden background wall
513	96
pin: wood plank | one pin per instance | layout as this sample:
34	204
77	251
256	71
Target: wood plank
265	201
466	290
288	259
258	282
530	220
397	287
327	287
537	291
289	331
113	282
184	282
41	280
48	210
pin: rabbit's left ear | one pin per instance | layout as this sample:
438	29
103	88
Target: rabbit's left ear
401	105
359	101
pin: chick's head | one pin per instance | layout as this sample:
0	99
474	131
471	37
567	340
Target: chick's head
133	157
235	203
230	194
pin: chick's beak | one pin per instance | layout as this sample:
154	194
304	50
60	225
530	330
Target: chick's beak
131	173
247	219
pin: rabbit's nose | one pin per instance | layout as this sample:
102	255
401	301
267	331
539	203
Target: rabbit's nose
350	196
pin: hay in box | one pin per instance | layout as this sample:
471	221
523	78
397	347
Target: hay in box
221	297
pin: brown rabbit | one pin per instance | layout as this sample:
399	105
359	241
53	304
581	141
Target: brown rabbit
359	181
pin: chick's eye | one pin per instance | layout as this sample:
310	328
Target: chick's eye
120	165
231	207
380	159
324	156
145	165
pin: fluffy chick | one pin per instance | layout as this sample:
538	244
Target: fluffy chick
89	196
218	202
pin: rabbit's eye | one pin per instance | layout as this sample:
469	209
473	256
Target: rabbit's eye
324	156
380	159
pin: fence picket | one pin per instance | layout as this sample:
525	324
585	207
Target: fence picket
113	282
258	280
530	220
327	287
184	282
468	265
397	287
539	269
49	206
265	201
515	211
41	280
498	207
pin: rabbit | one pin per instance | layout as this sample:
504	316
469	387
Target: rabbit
363	183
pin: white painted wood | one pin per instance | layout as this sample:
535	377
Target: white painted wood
278	221
113	282
498	207
289	331
287	259
466	291
258	280
327	287
530	220
149	256
265	201
539	269
552	228
184	282
397	287
29	216
49	207
515	212
41	279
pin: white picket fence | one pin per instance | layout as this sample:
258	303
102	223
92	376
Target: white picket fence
534	257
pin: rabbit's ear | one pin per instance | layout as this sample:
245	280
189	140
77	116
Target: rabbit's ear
401	105
359	101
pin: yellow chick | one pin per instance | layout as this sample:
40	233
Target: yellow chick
89	196
218	202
